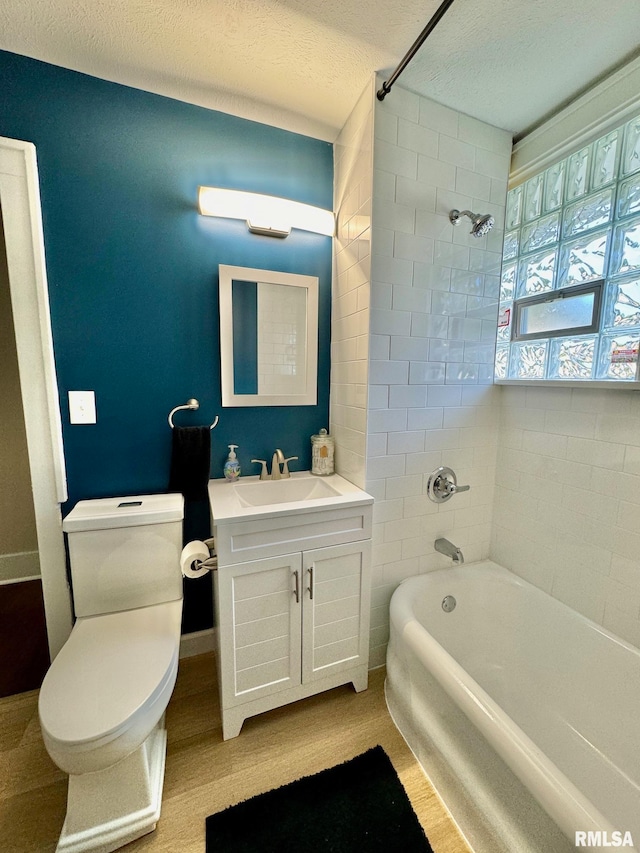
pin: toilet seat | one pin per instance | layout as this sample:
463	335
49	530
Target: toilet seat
109	685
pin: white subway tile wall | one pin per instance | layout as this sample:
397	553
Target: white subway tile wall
351	336
555	473
567	505
434	292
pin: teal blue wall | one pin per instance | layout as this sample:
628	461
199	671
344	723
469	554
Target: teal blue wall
132	267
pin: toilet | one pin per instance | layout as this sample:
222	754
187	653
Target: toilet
102	702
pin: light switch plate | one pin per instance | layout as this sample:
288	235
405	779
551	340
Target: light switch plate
82	407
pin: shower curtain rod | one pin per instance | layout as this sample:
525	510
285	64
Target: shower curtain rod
415	47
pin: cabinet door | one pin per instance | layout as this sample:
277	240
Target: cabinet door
259	617
335	613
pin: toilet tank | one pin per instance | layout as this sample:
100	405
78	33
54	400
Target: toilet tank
125	552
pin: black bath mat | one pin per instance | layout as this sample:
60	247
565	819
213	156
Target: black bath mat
358	806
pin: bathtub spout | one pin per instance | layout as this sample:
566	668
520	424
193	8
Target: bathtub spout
449	550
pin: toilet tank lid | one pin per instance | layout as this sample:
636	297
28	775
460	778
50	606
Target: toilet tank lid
130	511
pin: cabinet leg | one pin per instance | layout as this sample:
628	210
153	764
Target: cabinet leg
361	681
232	722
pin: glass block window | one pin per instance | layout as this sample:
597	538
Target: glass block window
577	224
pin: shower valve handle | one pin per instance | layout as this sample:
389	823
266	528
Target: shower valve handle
443	484
453	488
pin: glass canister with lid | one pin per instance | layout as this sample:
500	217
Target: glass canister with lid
322	454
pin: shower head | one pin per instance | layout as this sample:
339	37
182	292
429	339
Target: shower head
481	224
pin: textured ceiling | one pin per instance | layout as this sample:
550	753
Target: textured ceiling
301	64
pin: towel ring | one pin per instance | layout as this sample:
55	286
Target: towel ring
192	404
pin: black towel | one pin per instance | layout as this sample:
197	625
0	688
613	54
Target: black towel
190	466
190	461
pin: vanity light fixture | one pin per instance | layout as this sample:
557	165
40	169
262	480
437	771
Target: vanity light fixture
265	214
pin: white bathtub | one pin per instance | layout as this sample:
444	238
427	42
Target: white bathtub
525	715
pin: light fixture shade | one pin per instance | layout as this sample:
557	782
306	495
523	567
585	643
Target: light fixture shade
265	214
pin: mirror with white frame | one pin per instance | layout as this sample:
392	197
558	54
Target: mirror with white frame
268	337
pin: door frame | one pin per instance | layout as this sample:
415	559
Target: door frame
22	218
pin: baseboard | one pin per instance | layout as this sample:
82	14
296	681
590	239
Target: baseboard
198	643
24	565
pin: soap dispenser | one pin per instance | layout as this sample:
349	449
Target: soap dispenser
232	466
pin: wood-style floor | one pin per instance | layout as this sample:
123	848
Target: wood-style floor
205	774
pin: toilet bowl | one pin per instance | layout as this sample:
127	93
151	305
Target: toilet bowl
103	700
109	686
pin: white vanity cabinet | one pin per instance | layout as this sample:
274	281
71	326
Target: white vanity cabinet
292	599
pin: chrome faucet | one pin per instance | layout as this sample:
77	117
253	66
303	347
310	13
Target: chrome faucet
449	550
277	460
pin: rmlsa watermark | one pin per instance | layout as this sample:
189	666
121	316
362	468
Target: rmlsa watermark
600	839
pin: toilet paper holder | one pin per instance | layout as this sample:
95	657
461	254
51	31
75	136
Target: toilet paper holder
212	562
198	557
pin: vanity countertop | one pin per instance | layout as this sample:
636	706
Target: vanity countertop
301	493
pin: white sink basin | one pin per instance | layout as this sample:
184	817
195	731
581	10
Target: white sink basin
251	497
268	492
